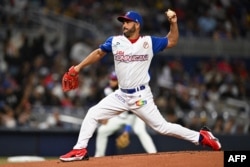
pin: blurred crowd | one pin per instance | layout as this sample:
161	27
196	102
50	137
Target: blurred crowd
220	19
212	91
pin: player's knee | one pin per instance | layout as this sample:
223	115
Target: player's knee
93	113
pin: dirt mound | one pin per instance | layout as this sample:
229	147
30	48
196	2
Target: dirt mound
173	159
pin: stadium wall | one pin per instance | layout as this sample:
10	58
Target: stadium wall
54	143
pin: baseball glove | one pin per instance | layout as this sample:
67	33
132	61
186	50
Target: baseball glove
123	140
70	80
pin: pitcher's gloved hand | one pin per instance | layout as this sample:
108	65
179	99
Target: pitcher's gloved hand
70	80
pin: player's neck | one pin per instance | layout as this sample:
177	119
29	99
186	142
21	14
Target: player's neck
133	39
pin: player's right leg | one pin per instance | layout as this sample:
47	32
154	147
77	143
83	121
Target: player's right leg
107	108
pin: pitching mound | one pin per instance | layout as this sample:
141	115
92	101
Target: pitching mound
173	159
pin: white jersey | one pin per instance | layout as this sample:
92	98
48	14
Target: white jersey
132	57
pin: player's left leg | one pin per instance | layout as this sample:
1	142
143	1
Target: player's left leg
150	114
107	108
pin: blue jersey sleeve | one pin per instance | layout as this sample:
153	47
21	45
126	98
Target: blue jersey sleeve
159	43
107	45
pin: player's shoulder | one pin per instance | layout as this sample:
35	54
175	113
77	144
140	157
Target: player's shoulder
122	36
119	39
146	37
119	36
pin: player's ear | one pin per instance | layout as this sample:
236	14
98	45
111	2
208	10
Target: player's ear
137	25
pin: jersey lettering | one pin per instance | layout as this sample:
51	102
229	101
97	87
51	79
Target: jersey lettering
127	58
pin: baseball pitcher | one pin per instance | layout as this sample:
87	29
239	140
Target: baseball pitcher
132	58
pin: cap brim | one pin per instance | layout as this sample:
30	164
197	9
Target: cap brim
123	18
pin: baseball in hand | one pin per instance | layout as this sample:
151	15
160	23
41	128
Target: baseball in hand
171	15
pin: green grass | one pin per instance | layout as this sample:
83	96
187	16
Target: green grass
3	160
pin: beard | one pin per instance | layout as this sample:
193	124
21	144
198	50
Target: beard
129	32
